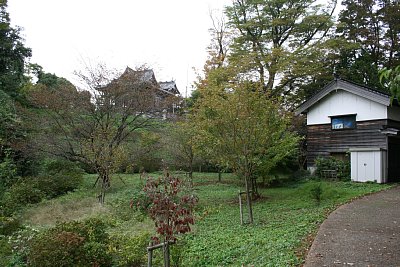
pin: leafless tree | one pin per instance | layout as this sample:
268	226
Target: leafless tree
91	126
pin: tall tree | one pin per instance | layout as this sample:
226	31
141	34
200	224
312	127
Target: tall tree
92	128
272	35
241	127
13	54
180	145
373	28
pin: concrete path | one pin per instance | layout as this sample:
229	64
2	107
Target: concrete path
365	232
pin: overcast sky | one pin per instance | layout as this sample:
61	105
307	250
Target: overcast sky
170	36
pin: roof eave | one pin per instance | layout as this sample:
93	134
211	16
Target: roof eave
339	84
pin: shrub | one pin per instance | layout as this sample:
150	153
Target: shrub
330	163
25	191
71	244
130	250
316	192
19	243
9	225
59	177
5	251
8	172
140	201
321	192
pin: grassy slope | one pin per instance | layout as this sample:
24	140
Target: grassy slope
285	218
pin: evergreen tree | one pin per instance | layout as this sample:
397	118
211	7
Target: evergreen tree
13	55
373	28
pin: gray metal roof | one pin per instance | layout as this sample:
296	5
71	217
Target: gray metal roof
169	87
340	84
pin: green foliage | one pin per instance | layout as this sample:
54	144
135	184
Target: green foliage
373	28
8	118
277	37
5	251
25	191
71	244
390	78
9	225
140	201
316	193
287	215
240	127
59	177
13	55
341	167
50	80
130	250
19	242
8	173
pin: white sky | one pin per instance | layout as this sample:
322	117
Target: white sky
171	36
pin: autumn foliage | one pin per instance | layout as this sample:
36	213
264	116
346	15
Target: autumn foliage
171	206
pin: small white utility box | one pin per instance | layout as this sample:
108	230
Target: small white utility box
368	164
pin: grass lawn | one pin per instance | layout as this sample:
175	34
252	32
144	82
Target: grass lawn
286	218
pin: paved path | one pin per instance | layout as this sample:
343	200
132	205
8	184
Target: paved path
365	232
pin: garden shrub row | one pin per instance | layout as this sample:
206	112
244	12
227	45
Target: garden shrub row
76	243
56	178
341	167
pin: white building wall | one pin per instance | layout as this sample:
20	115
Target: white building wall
341	102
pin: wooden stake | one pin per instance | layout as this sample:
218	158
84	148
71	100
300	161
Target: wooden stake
240	208
149	255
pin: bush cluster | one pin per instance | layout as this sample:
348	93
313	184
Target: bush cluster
71	244
76	243
57	178
130	250
330	163
8	173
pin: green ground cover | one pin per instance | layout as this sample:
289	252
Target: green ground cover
286	217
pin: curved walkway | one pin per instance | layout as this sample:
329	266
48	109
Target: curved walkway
365	232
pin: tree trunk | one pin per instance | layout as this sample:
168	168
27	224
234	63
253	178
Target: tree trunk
105	184
191	172
248	197
254	188
166	254
219	175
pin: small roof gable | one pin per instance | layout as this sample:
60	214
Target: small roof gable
340	84
170	87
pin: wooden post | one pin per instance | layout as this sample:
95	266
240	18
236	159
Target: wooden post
149	255
240	208
166	254
241	205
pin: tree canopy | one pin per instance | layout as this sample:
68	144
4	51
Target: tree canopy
372	32
92	128
241	127
13	55
274	36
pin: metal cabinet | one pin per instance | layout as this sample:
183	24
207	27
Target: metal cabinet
368	164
